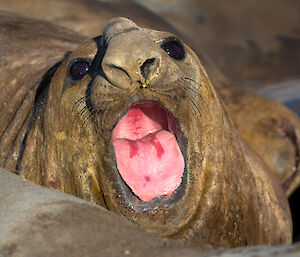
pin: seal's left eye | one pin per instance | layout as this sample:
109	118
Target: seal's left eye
174	49
79	69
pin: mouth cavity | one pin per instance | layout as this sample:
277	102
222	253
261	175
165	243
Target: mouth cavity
148	156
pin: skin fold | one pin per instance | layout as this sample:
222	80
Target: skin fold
57	132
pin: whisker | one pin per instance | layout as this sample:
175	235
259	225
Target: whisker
198	86
78	116
88	112
194	105
84	109
87	115
193	95
196	94
192	80
79	100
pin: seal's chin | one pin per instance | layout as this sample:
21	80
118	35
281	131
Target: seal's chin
148	156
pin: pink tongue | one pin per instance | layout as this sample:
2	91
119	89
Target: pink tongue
148	156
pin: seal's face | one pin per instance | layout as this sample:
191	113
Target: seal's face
137	97
131	122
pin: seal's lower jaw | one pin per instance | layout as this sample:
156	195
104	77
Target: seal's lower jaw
148	156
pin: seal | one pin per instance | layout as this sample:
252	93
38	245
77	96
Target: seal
274	135
142	132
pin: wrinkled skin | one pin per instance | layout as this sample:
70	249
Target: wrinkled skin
274	135
223	200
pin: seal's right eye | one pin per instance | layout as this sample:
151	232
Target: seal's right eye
79	69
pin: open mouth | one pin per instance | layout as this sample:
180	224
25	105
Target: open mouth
148	156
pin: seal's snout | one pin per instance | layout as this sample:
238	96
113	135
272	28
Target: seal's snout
131	58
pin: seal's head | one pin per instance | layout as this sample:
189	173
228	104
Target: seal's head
130	121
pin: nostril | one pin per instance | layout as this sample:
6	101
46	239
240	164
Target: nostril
148	67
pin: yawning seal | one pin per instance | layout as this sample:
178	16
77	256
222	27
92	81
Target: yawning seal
141	131
268	127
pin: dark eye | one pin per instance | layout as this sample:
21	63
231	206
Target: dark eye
79	69
174	49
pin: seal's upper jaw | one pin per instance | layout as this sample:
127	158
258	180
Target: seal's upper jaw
147	153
